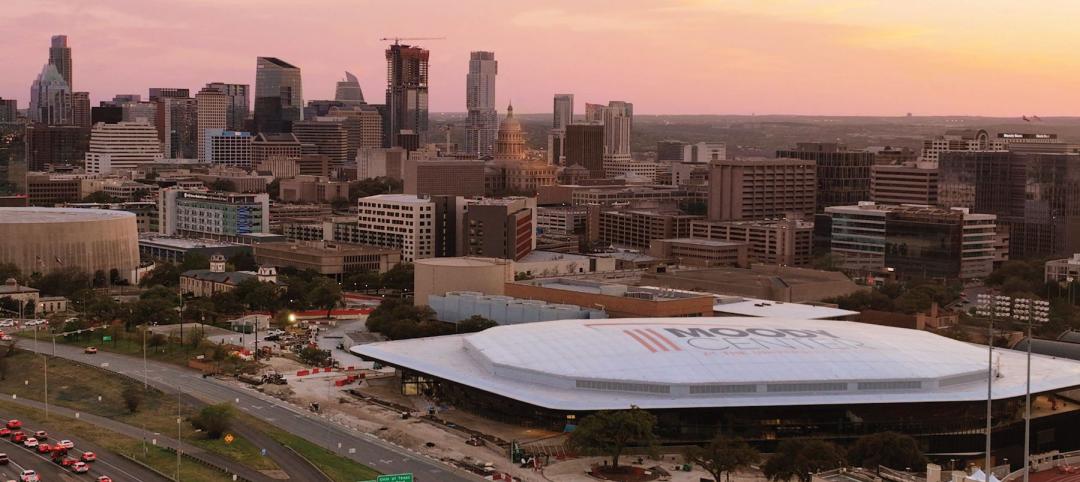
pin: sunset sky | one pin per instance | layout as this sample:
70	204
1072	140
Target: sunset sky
845	57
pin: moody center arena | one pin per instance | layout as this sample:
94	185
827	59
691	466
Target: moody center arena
762	379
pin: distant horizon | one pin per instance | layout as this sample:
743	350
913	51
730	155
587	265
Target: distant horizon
671	57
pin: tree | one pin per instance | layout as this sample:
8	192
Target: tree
400	277
723	455
115	278
222	185
151	310
226	302
314	356
6	351
609	432
475	323
324	293
362	281
100	279
244	261
99	197
258	295
889	449
62	282
340	204
9	271
798	458
194	260
163	293
132	398
215	420
398	320
164	274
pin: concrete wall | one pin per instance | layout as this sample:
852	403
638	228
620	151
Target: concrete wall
437	276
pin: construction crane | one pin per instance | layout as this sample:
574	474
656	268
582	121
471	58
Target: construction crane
397	40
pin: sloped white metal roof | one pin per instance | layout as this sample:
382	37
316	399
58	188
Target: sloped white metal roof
716	362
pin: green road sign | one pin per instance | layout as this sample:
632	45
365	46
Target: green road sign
106	338
395	478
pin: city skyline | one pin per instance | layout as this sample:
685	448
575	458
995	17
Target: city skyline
677	57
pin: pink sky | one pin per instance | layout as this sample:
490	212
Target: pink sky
845	57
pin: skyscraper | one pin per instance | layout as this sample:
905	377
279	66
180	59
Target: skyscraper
60	56
174	92
177	126
585	147
50	98
406	92
843	175
125	145
618	124
348	90
563	111
80	109
212	105
9	110
236	113
481	126
279	98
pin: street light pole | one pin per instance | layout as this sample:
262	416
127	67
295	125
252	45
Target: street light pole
988	305
1033	311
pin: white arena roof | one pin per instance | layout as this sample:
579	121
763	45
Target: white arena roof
718	362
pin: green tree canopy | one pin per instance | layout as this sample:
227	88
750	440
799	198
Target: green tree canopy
215	419
62	282
889	449
723	455
798	458
609	432
163	274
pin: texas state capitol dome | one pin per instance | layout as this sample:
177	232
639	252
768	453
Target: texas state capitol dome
43	240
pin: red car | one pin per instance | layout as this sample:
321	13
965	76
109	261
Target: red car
4	432
65	461
14	424
88	457
80	468
18	436
104	478
44	448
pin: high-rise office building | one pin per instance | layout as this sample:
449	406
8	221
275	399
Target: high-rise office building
914	241
157	93
499	228
213	106
594	112
363	123
843	175
9	110
481	125
212	215
406	93
904	184
329	137
80	109
349	90
265	147
704	152
618	126
237	112
670	150
585	147
760	188
562	111
969	140
125	145
60	56
562	116
177	126
50	98
443	177
229	148
401	221
1035	195
55	145
279	97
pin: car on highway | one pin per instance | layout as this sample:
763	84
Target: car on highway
65	444
4	459
6	338
41	435
5	432
8	322
65	461
14	424
29	476
44	448
90	350
18	436
80	467
104	478
88	457
30	443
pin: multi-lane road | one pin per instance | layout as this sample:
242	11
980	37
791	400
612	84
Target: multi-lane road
108	464
360	447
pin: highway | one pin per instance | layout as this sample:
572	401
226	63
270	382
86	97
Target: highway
117	468
360	447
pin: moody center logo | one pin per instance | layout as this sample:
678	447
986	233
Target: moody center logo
662	339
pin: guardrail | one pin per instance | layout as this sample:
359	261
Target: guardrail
1047	461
